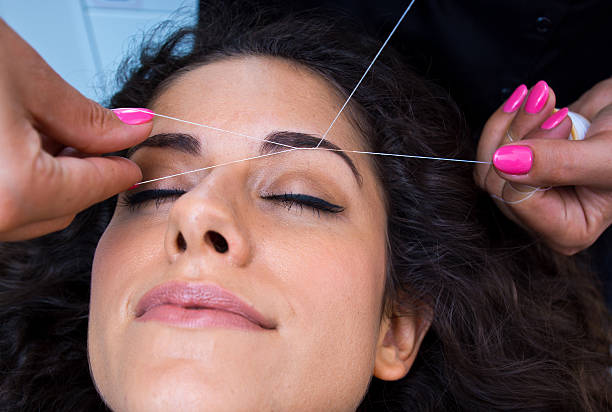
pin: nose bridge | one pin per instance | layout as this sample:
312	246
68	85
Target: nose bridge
206	222
219	189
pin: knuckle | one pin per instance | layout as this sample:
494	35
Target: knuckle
43	168
563	243
31	145
569	244
64	222
551	177
552	170
99	119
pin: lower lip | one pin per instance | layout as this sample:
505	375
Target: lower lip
197	318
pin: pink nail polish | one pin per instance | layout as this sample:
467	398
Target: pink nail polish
537	98
516	99
555	119
133	116
513	159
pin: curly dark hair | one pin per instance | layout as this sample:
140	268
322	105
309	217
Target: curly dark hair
514	326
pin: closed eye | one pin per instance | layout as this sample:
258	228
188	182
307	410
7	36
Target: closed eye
318	205
134	201
137	200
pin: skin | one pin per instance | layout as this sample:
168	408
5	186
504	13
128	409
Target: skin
51	142
44	184
319	277
578	208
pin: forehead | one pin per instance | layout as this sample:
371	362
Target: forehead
257	95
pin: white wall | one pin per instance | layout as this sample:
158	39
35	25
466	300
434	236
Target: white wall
84	40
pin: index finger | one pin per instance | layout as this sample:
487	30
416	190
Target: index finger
73	184
55	108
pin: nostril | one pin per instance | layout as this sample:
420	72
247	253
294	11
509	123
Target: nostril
180	242
218	241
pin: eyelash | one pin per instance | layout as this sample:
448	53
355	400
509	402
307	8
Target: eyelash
289	200
134	201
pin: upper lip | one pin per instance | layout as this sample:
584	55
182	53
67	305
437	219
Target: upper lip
203	296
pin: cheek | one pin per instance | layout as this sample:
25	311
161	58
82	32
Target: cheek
343	282
122	253
120	256
335	288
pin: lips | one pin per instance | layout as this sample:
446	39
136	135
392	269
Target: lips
197	300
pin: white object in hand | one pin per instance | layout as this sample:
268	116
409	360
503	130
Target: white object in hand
580	125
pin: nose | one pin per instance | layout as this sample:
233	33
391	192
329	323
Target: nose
205	224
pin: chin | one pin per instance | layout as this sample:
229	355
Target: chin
179	385
182	370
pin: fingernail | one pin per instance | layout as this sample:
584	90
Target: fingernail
537	98
133	116
555	119
513	159
516	99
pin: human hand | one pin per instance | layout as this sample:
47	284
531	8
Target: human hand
530	151
50	137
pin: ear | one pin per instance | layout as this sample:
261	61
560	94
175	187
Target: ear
398	344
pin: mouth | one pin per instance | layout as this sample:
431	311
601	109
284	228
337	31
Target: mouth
199	305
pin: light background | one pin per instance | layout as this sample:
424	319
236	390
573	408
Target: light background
85	40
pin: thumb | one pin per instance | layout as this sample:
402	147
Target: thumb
546	162
58	110
88	127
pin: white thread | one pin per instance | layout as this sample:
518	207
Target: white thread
309	148
528	196
214	128
366	72
516	202
524	191
292	148
404	155
213	166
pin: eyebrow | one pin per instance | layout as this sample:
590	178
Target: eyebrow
306	141
182	142
189	144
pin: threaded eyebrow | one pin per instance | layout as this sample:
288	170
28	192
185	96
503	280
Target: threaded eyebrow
191	145
307	141
182	142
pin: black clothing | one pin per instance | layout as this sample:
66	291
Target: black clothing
481	50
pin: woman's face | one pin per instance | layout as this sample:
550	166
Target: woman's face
259	288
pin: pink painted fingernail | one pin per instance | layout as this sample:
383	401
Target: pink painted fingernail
516	99
513	159
133	116
555	119
537	98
